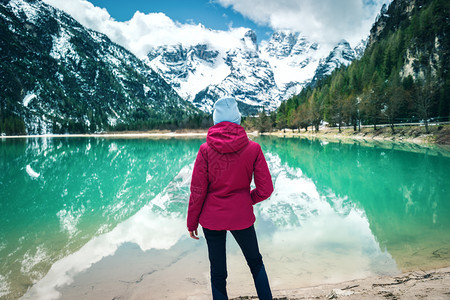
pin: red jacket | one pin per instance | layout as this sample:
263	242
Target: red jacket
220	189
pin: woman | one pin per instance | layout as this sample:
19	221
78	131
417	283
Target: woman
221	199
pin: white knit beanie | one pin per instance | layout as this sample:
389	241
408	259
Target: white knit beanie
226	109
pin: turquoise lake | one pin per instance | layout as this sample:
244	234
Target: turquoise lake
72	208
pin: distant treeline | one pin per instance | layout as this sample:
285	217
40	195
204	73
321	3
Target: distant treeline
198	121
402	77
13	125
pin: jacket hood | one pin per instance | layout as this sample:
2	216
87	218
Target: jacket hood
227	137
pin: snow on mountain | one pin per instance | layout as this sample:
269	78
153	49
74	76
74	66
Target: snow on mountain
204	72
259	76
28	98
342	54
189	70
361	47
293	60
250	80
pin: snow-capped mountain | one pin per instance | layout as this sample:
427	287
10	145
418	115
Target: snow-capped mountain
293	60
189	70
259	76
58	77
201	74
361	47
342	54
250	80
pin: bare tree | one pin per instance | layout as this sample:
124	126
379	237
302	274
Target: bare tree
424	100
337	110
351	111
394	97
315	111
371	106
263	123
301	118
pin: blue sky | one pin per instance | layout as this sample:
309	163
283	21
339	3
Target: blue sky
209	13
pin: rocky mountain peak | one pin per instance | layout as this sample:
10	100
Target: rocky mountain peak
361	47
402	10
342	54
249	41
281	44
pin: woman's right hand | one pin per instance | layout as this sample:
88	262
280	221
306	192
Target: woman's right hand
194	234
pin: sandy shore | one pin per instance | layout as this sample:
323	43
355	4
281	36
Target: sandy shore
182	273
432	284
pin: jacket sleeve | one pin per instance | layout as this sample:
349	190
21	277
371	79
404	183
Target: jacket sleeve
199	188
263	180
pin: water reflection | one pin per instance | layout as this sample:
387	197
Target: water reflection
57	194
338	212
404	194
315	236
158	225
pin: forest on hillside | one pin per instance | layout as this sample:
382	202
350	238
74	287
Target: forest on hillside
402	77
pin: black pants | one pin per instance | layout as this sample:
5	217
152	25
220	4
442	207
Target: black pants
246	239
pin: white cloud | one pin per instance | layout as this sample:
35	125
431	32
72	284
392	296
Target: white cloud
325	21
144	31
